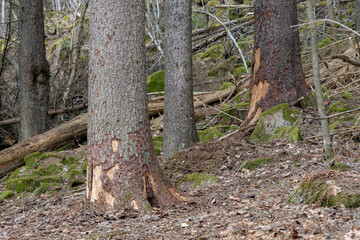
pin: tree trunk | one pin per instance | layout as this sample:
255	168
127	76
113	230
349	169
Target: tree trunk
319	96
34	71
333	34
13	157
122	168
179	118
357	16
277	75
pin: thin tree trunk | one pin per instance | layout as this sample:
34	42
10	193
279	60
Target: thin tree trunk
333	34
277	75
122	167
76	53
34	70
179	120
357	17
316	73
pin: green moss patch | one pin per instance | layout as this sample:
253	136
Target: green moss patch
226	85
209	133
156	82
316	189
6	194
347	95
272	119
338	107
198	179
32	158
213	53
343	167
253	164
290	134
158	144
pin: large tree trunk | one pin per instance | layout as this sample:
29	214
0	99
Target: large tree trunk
122	168
34	71
277	75
13	157
179	121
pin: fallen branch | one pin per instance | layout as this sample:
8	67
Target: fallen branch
347	59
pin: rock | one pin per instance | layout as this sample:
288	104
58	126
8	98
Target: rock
277	117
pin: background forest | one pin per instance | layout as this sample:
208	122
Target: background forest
243	188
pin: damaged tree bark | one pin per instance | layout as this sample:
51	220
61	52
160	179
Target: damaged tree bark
277	75
123	171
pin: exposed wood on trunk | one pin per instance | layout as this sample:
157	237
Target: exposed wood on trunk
13	157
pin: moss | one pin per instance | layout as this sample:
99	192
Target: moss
213	53
199	179
347	95
291	134
265	128
325	42
313	191
307	102
26	184
338	107
84	167
45	187
68	161
47	155
6	194
343	167
128	196
253	164
226	85
66	147
209	133
156	82
333	125
71	173
239	71
158	144
32	158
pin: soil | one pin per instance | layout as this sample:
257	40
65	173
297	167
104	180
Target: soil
241	204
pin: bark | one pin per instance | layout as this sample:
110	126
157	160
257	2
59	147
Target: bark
333	34
357	17
34	72
13	157
76	53
277	75
122	167
179	118
319	96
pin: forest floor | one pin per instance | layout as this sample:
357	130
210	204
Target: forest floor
241	204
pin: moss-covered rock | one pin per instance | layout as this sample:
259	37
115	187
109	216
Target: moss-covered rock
209	133
272	119
316	189
156	82
213	53
6	194
253	164
290	134
197	179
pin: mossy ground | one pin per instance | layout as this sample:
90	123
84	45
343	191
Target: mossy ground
48	171
253	164
198	179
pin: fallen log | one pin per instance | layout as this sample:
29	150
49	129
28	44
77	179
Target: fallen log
13	157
